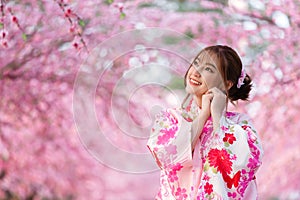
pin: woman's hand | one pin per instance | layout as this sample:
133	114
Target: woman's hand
213	104
217	105
218	102
201	119
206	105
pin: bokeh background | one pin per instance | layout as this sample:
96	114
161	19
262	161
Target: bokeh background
44	44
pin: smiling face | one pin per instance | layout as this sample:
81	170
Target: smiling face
203	75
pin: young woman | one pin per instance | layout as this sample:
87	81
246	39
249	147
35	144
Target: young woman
204	151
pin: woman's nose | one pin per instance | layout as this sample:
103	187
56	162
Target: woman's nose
197	74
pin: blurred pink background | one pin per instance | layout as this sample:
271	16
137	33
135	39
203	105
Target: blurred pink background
44	45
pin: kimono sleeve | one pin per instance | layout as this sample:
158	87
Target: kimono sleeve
170	139
231	159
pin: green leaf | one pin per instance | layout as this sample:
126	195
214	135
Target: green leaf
245	122
190	34
122	15
229	151
108	1
146	5
214	170
24	36
1	25
226	144
81	23
206	166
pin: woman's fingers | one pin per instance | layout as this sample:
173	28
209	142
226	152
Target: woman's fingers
208	97
218	103
215	91
206	102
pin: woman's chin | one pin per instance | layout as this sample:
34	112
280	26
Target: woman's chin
189	90
194	91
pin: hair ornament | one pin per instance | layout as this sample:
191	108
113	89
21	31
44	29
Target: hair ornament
241	78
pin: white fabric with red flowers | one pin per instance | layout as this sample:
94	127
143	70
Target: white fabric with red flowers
222	165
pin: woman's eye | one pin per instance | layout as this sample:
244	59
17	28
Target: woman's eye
209	69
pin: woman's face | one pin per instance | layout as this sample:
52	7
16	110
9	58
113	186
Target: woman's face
203	75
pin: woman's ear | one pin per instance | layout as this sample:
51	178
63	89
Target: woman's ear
229	85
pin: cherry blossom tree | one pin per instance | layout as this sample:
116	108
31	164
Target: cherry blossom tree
43	44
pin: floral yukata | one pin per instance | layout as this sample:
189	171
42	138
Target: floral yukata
222	164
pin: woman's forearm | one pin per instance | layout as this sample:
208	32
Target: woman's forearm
197	127
216	121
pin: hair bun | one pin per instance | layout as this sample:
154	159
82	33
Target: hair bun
242	93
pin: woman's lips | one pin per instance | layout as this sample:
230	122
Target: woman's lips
194	82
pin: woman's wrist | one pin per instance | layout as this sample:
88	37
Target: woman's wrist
204	114
216	121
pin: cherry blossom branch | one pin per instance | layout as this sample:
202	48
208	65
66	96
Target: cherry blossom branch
74	20
14	19
261	18
2	25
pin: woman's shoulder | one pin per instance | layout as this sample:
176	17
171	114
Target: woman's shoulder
237	117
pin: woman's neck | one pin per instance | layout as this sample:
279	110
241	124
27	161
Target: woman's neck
198	101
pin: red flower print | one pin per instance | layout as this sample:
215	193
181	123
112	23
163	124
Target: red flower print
208	188
232	181
220	159
229	137
245	127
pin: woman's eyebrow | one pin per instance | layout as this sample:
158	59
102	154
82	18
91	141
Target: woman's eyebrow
198	60
211	65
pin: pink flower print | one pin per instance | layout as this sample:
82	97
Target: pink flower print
253	163
224	128
233	157
230	114
172	175
251	136
206	177
173	120
206	129
181	194
168	133
233	194
171	149
177	167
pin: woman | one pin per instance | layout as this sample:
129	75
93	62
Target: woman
204	151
